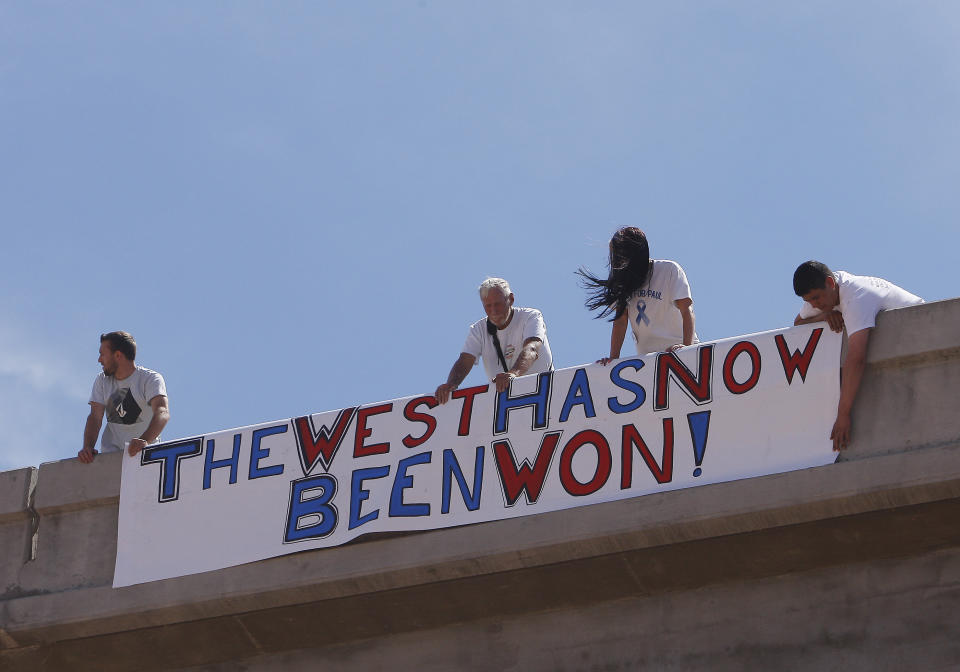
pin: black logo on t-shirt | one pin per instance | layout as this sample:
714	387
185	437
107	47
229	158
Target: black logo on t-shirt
122	408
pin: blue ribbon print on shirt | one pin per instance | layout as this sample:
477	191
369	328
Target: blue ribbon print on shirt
642	312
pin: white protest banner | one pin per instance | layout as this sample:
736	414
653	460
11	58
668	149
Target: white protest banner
719	411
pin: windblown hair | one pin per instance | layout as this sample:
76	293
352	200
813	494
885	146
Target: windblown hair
810	275
122	341
629	266
490	283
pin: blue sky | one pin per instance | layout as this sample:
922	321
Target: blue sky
290	205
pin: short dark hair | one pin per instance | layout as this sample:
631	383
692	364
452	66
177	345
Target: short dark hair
122	341
810	275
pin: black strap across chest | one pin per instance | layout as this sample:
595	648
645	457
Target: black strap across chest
492	330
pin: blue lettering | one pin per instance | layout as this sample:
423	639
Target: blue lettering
311	516
540	400
169	456
578	394
452	468
358	494
210	464
257	453
401	482
640	395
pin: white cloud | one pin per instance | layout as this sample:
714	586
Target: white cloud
42	401
37	427
39	366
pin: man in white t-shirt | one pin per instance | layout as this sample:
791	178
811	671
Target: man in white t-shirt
843	300
519	332
134	400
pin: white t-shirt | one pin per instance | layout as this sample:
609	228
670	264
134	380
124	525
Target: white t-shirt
526	323
126	405
861	298
654	317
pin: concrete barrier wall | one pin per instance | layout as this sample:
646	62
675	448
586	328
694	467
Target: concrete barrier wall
851	566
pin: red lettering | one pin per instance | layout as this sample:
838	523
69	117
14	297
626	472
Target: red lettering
411	414
796	361
466	415
631	438
524	479
323	444
363	432
728	363
698	388
604	462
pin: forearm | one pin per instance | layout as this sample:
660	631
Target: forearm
528	355
819	317
458	372
689	322
159	421
90	432
852	374
617	334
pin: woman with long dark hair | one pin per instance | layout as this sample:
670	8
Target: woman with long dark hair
652	295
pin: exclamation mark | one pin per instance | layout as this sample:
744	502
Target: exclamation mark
699	428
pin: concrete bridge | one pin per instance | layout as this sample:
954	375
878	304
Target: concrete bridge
855	565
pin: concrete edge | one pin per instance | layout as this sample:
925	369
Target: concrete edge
16	491
69	484
933	329
832	491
